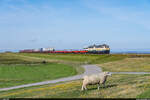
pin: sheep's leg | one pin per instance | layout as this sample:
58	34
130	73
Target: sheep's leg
82	88
103	85
98	86
85	87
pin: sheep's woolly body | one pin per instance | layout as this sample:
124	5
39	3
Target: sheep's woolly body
94	79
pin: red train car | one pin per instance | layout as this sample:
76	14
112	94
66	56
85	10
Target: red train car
74	52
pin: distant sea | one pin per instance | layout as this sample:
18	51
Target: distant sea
2	51
129	52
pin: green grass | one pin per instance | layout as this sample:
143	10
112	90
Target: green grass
117	86
145	94
84	58
10	58
79	58
65	57
11	75
17	70
22	68
112	62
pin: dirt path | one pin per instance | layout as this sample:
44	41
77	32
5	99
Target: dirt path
130	72
89	69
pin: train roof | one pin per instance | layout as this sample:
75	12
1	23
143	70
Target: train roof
98	46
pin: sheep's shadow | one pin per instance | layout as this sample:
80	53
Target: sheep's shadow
102	87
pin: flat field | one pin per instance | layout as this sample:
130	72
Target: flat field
15	70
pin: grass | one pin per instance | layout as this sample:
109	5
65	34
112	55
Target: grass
84	58
12	75
78	58
117	86
16	70
112	62
128	65
34	60
145	94
10	58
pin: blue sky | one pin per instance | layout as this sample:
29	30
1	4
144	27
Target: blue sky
74	24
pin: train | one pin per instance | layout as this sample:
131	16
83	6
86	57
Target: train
93	49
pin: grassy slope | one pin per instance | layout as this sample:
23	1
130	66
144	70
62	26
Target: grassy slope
114	63
10	58
80	58
117	86
16	70
130	62
127	65
129	85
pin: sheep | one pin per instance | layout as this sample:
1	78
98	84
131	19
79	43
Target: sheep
95	79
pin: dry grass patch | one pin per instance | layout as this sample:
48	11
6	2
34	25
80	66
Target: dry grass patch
128	65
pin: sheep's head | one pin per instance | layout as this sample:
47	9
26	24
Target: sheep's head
107	73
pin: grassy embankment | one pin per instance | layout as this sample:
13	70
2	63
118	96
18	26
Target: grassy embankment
127	62
128	65
113	62
15	70
117	86
75	58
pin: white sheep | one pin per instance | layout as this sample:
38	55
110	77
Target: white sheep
95	79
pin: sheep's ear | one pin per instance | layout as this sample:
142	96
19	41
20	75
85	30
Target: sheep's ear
105	73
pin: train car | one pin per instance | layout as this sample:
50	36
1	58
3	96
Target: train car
93	49
26	51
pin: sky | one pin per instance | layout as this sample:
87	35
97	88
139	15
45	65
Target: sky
74	24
